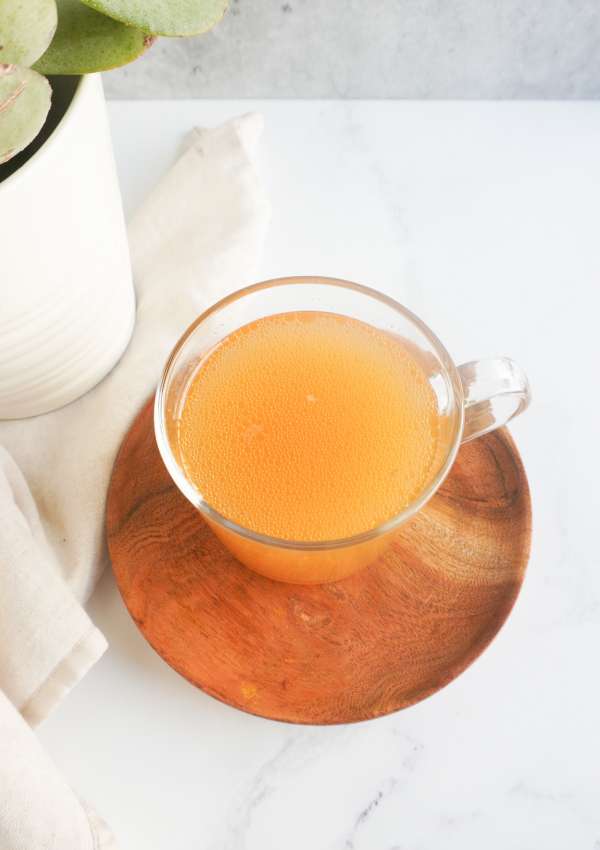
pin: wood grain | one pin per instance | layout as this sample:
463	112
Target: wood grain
374	643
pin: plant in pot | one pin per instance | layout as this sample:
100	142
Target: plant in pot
66	295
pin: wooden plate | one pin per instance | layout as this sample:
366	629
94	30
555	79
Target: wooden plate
374	643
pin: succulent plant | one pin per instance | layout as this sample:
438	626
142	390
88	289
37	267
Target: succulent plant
48	37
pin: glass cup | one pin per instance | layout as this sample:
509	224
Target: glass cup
472	400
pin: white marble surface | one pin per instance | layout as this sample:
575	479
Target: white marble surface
483	218
379	49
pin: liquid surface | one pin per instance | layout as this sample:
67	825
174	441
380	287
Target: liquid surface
309	426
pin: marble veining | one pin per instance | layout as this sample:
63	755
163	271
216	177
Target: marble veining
483	219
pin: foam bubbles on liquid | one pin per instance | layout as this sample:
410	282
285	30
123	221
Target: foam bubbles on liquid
309	426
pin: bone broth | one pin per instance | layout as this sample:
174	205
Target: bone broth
309	426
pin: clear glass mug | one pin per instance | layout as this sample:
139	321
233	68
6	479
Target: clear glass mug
473	399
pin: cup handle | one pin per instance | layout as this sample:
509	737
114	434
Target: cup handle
495	391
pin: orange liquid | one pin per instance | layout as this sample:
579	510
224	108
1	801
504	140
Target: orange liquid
309	426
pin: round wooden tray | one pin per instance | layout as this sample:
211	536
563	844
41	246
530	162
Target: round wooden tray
369	645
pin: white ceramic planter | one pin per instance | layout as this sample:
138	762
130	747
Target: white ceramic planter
66	296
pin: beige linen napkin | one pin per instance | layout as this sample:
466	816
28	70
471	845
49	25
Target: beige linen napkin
197	237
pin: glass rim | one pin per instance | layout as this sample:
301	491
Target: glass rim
196	498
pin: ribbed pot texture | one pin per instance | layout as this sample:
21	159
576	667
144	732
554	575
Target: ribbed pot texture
66	295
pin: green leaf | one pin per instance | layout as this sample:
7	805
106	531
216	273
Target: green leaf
164	17
86	41
26	29
24	104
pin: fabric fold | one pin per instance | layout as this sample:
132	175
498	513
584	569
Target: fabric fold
198	237
47	641
38	809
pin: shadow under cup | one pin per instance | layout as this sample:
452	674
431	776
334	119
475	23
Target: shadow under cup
304	562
